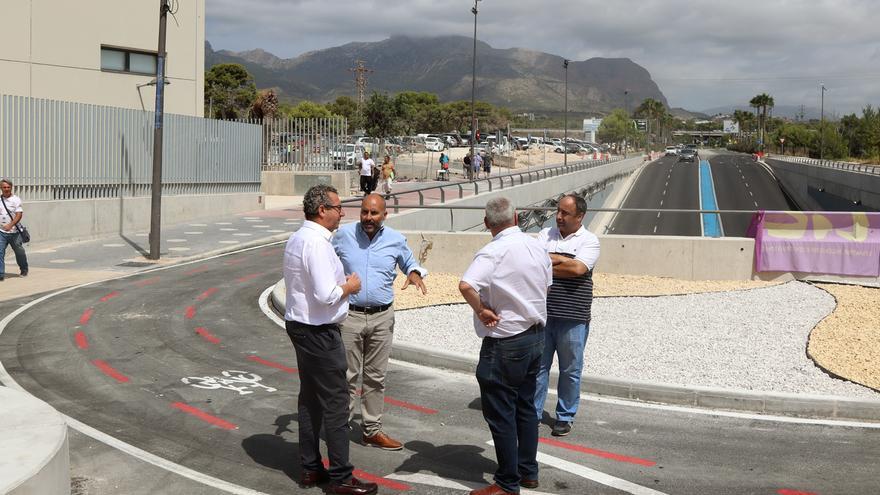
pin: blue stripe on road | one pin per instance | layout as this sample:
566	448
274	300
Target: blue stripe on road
711	221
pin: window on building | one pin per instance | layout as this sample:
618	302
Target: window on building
131	61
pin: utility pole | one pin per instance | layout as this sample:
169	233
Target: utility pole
156	199
626	128
822	123
565	116
474	84
360	81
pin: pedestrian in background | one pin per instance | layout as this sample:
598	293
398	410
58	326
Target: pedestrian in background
574	251
374	253
477	165
316	304
468	171
10	230
387	175
366	172
506	286
487	163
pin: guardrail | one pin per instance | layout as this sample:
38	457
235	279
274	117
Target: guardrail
493	182
848	166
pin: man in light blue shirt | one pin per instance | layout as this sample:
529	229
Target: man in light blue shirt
374	252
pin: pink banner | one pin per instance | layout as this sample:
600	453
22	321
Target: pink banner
838	243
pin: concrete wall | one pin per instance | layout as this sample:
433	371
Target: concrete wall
72	220
52	49
796	177
297	183
521	195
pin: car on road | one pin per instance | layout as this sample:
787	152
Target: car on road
671	150
687	155
568	148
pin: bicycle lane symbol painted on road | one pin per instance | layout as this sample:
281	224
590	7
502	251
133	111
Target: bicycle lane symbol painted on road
242	382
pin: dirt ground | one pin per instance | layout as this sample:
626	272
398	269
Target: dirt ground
846	343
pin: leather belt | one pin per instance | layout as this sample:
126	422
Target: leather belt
368	310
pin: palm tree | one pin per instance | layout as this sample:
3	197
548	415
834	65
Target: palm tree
762	102
652	109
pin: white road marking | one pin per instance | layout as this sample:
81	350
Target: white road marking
113	245
658	213
747	184
194	232
179	249
260	226
228	229
664	192
661	202
198	225
756	203
750	193
62	261
243	234
592	474
655	229
275	231
430	479
175	240
222	223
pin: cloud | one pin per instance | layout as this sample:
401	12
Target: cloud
702	54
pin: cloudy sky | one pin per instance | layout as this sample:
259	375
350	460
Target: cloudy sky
702	53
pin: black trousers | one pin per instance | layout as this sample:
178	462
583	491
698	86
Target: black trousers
323	397
367	184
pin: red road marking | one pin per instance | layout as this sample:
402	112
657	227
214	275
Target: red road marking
207	335
110	371
81	340
271	364
407	405
197	270
208	293
234	262
363	475
272	252
247	277
109	296
598	453
190	312
786	491
149	281
214	420
86	316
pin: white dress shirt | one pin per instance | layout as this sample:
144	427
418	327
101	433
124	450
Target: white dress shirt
511	274
313	275
583	244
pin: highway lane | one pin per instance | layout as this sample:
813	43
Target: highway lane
663	184
743	184
181	363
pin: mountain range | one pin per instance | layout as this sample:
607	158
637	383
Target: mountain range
518	79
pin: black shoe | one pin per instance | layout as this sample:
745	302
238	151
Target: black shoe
24	273
530	484
353	486
561	428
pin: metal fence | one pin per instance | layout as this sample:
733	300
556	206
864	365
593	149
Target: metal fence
55	150
305	144
849	166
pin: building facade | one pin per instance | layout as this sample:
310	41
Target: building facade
103	52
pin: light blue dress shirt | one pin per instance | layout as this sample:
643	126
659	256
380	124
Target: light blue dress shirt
375	261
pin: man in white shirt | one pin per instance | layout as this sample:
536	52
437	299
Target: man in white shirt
506	286
316	303
366	171
574	251
10	235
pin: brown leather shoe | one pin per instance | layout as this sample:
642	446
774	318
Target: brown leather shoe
383	441
353	486
311	478
530	484
492	490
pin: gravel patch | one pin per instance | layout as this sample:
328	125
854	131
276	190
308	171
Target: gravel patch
752	339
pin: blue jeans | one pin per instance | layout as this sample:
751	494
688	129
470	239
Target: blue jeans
14	241
567	339
506	373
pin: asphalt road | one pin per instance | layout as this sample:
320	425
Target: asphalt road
740	184
182	363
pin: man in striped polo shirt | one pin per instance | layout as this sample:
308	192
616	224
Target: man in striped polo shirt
574	251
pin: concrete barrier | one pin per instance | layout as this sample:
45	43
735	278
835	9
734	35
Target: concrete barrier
297	183
34	457
81	219
799	178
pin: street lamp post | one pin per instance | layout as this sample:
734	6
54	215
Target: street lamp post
474	86
565	117
626	127
822	122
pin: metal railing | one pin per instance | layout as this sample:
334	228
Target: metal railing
848	166
54	150
492	183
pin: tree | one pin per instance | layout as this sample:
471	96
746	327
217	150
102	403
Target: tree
614	127
345	106
265	105
762	103
308	110
381	116
652	110
229	91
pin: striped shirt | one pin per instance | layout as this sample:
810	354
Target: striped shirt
571	297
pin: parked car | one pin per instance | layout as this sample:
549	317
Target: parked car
434	144
567	148
671	151
687	155
345	156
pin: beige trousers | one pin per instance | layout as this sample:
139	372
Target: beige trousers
367	340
